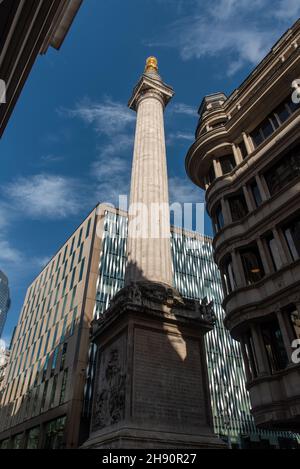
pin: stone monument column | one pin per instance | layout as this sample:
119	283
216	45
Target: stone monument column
149	251
151	383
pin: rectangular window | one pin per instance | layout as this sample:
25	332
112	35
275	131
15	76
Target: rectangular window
255	193
250	351
211	174
292	236
295	322
33	438
73	324
73	298
65	254
72	246
79	238
17	442
274	345
282	112
87	234
63	356
229	276
243	149
55	434
72	261
252	264
43	402
63	387
238	206
274	252
80	253
72	279
267	128
283	171
257	137
81	270
53	391
227	163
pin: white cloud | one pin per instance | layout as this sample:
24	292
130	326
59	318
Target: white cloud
9	253
44	196
108	117
287	9
238	30
181	108
174	137
50	158
182	190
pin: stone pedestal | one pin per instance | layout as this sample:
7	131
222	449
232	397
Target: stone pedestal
151	385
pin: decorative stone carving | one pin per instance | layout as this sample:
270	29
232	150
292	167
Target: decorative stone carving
110	400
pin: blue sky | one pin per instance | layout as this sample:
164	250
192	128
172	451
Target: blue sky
69	142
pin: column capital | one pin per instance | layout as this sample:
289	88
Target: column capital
150	82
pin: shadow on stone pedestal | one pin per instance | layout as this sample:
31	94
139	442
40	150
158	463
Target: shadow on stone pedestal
151	386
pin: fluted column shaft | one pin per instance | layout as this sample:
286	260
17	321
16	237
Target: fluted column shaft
148	249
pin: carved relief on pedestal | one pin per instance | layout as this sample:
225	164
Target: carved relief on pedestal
109	406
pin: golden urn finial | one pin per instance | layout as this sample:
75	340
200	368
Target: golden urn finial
151	64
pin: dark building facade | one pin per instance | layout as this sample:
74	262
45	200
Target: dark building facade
247	157
27	29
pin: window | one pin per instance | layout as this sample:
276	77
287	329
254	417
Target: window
229	277
53	391
73	323
266	128
63	388
274	346
81	270
33	438
255	193
243	149
227	163
253	268
250	351
54	361
5	444
282	112
72	246
273	121
292	236
295	322
88	228
17	442
257	137
79	238
274	252
283	171
63	356
238	206
55	434
211	174
43	403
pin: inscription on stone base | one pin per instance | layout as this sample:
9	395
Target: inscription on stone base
167	379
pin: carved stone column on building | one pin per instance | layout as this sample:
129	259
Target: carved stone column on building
285	332
248	143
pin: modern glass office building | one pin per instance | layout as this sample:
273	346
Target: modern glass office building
4	300
48	388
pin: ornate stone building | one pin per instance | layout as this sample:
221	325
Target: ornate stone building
247	157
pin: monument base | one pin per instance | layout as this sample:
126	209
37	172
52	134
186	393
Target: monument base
151	385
